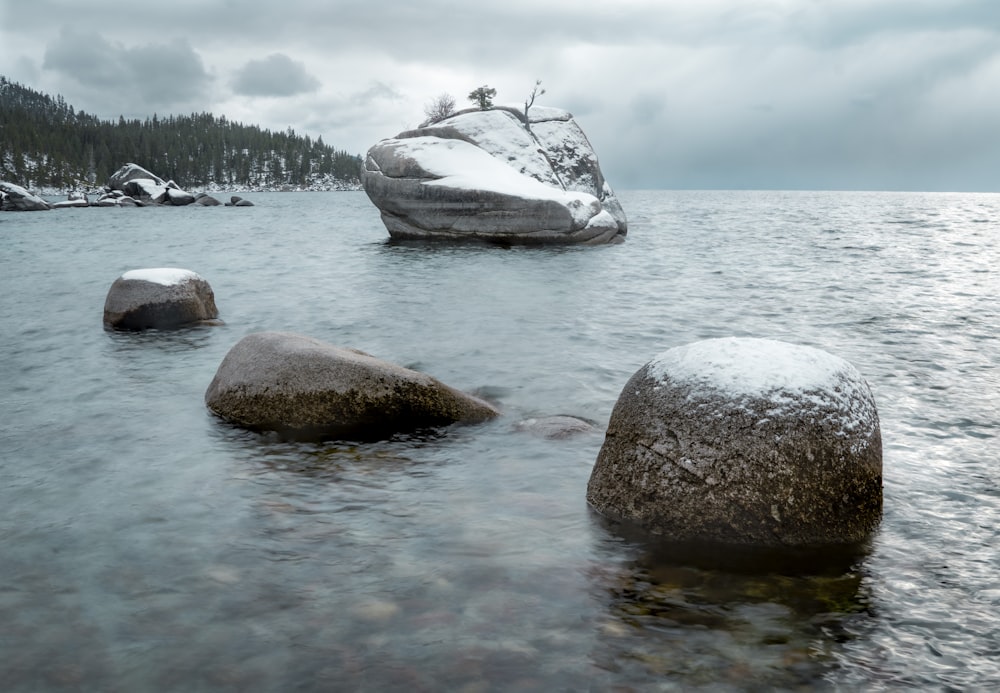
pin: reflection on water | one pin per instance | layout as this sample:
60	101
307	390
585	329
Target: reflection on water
722	616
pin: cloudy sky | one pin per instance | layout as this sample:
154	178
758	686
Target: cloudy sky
785	94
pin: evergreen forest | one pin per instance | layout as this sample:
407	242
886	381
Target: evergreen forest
46	143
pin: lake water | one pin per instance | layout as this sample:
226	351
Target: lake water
145	545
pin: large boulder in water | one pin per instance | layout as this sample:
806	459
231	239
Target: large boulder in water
494	176
159	298
305	388
743	441
14	198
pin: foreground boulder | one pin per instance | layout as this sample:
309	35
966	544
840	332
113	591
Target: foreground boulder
494	176
14	198
743	441
160	298
305	388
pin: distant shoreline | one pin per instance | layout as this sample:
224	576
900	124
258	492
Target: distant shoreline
47	192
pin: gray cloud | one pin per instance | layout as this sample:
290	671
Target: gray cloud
839	93
275	75
155	74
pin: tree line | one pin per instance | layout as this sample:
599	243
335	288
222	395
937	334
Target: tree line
44	142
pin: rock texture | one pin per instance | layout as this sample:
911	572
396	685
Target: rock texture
744	441
14	198
305	388
160	298
494	176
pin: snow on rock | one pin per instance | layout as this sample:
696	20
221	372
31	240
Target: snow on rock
741	440
166	276
784	374
488	175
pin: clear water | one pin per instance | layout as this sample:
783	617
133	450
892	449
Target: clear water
144	545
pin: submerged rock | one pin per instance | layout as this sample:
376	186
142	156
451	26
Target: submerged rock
494	176
744	441
555	427
159	298
305	388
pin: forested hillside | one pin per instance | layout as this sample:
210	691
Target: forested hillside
46	143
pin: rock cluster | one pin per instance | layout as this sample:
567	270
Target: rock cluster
743	441
494	176
305	388
129	186
140	187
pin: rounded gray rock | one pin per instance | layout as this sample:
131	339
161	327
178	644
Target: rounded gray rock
305	388
743	441
159	298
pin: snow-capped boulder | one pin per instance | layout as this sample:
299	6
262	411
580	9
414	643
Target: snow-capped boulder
73	199
129	172
305	388
65	204
178	197
745	441
14	198
159	298
145	190
490	175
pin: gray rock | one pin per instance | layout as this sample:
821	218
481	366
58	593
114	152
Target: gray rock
743	441
178	197
161	298
305	388
206	200
14	198
487	175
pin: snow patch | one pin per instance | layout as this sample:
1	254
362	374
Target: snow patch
742	366
167	276
465	166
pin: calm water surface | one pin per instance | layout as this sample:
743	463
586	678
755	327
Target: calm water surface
144	545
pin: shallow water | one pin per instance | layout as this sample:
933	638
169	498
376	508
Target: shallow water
145	545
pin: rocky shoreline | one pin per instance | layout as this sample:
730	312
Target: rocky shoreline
134	186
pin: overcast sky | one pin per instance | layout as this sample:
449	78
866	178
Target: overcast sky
786	94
